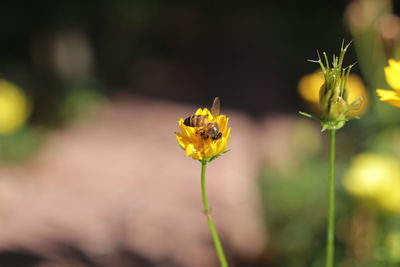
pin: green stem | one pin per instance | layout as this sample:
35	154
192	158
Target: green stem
207	212
331	220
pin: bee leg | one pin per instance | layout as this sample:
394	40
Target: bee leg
204	136
202	133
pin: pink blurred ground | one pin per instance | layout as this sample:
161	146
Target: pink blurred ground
117	180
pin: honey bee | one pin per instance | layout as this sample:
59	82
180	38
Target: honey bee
206	129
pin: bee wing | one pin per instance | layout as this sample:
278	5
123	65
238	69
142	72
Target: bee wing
216	107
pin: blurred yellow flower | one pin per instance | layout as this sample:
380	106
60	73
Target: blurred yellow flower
14	107
377	178
392	75
309	87
198	147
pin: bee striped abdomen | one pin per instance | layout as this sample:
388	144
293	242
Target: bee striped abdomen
187	121
195	120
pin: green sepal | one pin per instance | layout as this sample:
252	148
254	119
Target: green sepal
207	160
336	125
353	118
308	115
328	124
332	125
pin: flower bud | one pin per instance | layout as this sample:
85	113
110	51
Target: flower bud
333	93
333	105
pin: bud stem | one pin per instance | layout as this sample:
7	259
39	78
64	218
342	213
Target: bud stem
331	220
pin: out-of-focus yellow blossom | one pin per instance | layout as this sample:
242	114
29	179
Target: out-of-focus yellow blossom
375	177
198	148
392	75
309	86
14	107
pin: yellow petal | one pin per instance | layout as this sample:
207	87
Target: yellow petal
199	112
386	94
203	112
222	121
395	103
186	130
222	145
190	150
195	154
211	150
206	112
394	63
182	126
389	96
227	135
392	74
181	140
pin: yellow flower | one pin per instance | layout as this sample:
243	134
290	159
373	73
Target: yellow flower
377	178
309	86
392	75
14	107
191	141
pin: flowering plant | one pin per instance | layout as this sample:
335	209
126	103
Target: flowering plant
204	136
335	109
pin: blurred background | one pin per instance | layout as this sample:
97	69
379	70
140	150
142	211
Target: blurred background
90	96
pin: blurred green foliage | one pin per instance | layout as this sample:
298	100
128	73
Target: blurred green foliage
296	211
22	144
